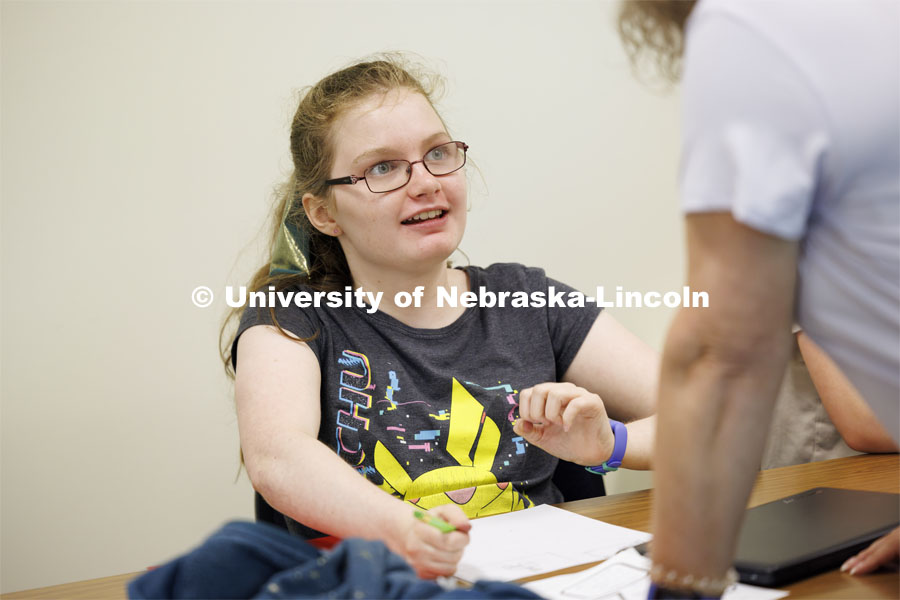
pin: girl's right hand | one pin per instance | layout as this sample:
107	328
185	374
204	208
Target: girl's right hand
429	551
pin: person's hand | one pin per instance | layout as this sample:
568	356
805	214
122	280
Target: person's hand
428	550
883	551
567	421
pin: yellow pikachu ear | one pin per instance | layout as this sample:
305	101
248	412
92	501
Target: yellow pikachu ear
463	438
395	479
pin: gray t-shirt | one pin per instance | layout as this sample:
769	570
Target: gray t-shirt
426	414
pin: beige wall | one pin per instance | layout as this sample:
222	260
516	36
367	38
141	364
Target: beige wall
140	141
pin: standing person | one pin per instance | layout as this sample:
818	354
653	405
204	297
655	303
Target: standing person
789	180
353	416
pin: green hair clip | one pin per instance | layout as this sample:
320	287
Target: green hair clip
290	252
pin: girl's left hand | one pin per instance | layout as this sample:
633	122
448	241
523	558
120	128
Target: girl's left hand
566	421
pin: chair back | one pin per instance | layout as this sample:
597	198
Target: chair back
577	483
265	513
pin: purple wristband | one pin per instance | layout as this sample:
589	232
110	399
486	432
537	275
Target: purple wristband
615	460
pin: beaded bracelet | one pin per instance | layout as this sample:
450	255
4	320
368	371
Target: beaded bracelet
708	586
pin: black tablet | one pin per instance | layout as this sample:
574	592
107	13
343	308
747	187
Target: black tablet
810	532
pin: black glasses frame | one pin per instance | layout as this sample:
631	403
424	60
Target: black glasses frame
353	179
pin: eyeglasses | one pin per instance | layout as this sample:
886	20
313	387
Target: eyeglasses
390	175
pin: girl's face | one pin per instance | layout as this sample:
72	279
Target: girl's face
413	228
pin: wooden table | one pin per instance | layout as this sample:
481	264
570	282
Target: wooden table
872	472
878	473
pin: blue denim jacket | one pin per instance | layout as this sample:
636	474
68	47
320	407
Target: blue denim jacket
257	560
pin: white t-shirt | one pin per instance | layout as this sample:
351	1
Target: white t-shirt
792	124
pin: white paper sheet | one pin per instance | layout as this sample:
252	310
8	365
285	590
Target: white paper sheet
625	576
539	540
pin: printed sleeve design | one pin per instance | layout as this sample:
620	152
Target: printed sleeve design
356	381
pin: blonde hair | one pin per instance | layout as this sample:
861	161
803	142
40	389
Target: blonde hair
312	154
655	29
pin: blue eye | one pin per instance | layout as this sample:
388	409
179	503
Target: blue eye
439	153
381	169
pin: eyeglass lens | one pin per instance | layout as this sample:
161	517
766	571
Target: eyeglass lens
389	175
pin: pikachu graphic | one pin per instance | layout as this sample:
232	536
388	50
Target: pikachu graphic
473	442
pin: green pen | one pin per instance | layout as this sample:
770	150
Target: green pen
441	524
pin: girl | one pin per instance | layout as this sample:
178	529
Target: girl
338	405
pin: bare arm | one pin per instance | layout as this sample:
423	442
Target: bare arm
721	370
853	418
624	371
277	395
618	366
613	372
